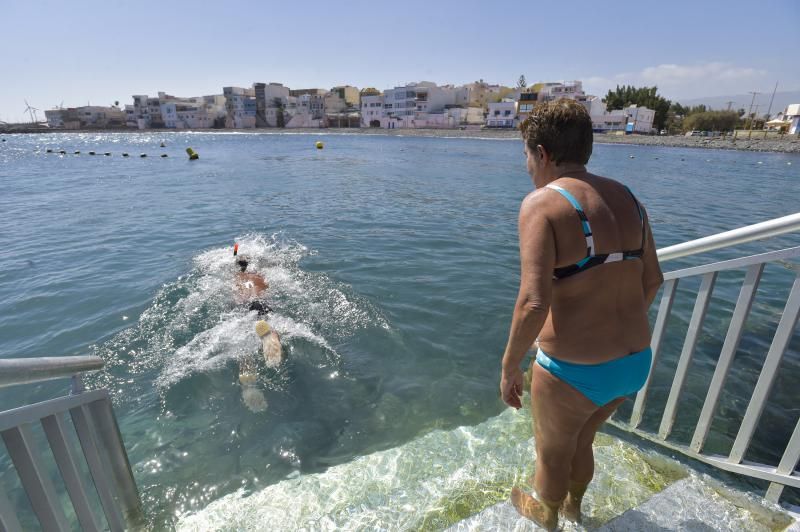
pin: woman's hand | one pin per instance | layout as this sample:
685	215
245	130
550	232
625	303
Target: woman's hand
511	387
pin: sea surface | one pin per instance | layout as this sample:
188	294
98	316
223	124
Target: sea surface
393	270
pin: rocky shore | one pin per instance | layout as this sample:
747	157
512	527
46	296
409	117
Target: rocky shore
785	144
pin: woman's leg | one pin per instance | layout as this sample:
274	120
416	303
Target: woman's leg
560	412
582	467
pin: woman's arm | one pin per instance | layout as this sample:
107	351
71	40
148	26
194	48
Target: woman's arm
537	260
652	278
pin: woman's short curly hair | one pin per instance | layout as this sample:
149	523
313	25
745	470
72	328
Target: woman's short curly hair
563	127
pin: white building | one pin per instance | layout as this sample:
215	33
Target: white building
425	104
502	114
86	117
372	114
640	119
792	114
572	90
240	107
548	91
131	119
272	104
631	119
308	108
55	118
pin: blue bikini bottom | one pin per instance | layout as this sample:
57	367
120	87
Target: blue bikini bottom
602	383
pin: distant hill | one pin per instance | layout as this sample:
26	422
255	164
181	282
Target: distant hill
782	99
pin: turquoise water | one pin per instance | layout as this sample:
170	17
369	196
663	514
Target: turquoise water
393	267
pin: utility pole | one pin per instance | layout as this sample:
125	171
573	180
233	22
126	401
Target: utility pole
750	111
750	133
771	99
730	102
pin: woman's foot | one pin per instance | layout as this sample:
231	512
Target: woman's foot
571	509
540	513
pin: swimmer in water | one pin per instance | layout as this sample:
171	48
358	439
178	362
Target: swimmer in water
250	290
250	287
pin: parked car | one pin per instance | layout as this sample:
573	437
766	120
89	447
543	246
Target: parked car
694	133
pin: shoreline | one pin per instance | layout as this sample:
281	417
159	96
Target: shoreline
787	144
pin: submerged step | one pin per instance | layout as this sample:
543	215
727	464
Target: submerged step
695	503
699	503
432	483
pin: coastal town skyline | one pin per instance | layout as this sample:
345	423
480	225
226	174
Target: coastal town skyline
96	53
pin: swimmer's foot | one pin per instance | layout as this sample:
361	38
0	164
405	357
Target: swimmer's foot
270	344
262	328
246	378
544	515
254	399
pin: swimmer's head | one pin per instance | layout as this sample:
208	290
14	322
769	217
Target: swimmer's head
242	263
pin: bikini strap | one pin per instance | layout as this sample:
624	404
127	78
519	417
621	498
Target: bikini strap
641	213
587	229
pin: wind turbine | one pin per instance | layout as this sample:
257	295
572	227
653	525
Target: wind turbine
31	112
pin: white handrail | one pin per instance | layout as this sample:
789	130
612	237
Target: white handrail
777	226
27	370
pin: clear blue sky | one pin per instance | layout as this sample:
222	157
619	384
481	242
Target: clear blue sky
98	52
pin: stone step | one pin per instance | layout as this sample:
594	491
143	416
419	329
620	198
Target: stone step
701	504
432	482
695	503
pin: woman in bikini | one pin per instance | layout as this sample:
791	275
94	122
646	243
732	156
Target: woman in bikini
589	272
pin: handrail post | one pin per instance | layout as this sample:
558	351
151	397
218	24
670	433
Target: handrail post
110	440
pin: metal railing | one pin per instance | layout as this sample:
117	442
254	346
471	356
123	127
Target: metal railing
93	420
779	475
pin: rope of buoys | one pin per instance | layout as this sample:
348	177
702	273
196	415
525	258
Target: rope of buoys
193	155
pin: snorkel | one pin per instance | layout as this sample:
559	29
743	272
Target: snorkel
241	261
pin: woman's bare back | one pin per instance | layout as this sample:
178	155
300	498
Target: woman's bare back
598	314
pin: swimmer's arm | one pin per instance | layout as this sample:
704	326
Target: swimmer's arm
652	278
537	249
